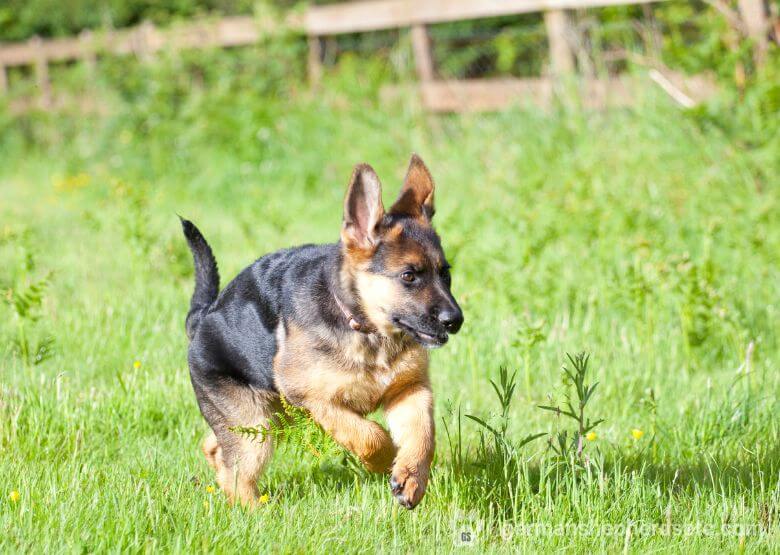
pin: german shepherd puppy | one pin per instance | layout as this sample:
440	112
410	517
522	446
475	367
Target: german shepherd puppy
338	329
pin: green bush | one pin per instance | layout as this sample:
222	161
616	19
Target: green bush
20	19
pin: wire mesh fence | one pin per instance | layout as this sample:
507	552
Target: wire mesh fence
604	42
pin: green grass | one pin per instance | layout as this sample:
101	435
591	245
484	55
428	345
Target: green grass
644	237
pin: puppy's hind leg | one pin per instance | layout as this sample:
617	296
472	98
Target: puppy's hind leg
211	449
239	464
238	459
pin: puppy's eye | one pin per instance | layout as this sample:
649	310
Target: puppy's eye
408	276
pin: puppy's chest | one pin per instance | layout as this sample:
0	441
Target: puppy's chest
359	373
364	390
370	373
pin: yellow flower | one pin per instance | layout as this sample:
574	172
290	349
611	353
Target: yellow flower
210	489
137	364
264	499
591	436
636	433
14	496
71	182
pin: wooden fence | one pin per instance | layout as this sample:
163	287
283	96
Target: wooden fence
366	16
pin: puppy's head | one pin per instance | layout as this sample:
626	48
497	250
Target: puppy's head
394	259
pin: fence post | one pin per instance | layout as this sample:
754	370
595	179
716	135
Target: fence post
41	72
315	59
88	51
144	41
421	47
754	15
561	55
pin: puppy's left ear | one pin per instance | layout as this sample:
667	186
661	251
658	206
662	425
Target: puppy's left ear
416	196
363	209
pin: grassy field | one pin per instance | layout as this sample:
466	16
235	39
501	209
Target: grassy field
644	237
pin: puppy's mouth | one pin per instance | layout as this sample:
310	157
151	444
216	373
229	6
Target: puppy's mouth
428	339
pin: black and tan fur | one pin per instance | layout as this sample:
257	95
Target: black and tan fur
339	329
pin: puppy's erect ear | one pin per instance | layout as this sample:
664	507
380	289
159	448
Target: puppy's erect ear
363	209
416	196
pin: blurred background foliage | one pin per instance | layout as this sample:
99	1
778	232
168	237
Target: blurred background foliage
20	19
223	96
695	36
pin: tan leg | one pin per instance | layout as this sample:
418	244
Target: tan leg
210	448
238	459
239	467
365	438
410	419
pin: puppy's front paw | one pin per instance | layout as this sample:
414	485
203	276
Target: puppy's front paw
408	485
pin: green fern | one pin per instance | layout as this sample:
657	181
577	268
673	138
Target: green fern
44	350
294	426
28	301
26	304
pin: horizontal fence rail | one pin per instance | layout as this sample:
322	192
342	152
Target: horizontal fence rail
357	17
143	39
370	15
333	19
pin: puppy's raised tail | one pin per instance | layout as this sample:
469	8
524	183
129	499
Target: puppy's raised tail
206	276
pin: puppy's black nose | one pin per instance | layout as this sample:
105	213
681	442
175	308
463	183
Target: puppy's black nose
451	319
